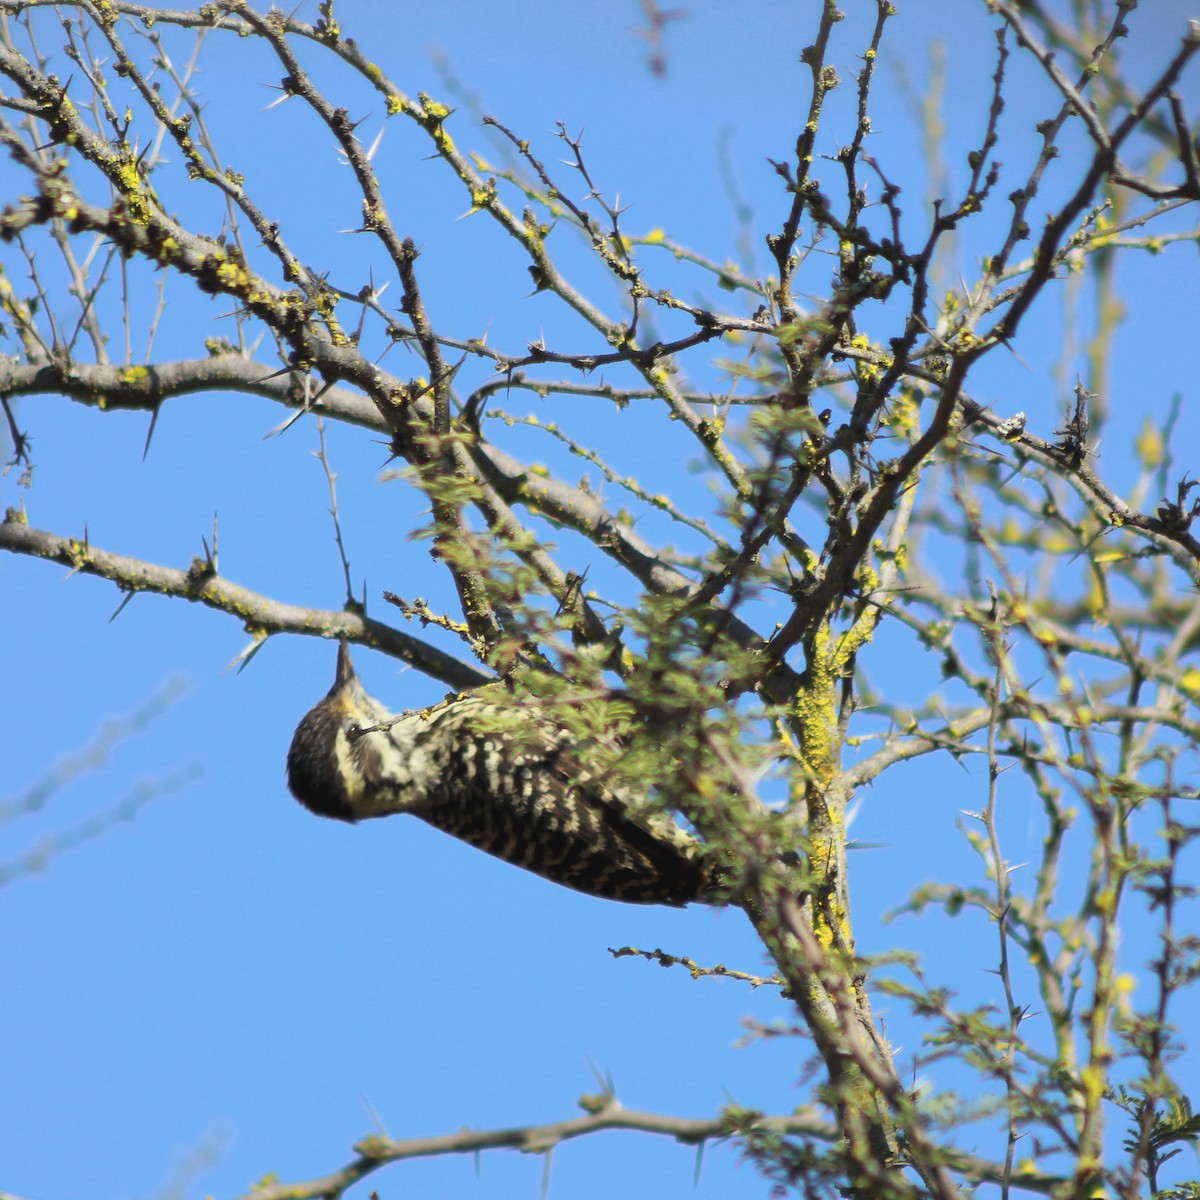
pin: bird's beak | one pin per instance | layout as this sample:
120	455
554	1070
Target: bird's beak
345	668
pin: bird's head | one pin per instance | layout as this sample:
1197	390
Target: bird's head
329	770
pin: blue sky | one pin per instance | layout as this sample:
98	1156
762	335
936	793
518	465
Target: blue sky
228	982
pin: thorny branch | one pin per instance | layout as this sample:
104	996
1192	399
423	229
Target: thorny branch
604	1114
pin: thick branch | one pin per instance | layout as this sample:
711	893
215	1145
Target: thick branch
261	615
145	388
135	387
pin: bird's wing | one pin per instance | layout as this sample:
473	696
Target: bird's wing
525	792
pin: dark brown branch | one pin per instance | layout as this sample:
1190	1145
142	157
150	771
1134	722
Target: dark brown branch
1100	497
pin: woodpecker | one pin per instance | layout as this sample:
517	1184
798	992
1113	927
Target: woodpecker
514	786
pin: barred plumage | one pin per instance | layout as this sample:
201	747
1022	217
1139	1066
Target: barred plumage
519	793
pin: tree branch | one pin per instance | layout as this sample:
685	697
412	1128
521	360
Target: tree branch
260	615
376	1151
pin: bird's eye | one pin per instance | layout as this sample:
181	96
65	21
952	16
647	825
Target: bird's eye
352	729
